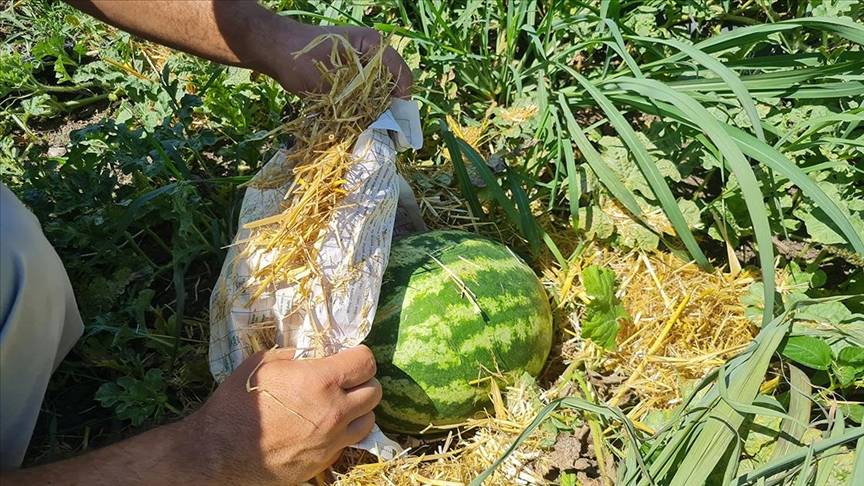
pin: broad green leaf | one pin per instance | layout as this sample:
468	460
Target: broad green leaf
819	227
596	224
824	312
754	302
615	153
599	283
600	322
631	234
852	356
845	375
568	479
808	351
849	365
855	412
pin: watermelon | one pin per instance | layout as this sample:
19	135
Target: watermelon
453	308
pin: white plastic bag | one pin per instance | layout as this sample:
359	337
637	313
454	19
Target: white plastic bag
352	258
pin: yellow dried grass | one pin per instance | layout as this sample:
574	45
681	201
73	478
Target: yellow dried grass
685	322
466	451
325	132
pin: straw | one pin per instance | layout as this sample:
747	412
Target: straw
286	244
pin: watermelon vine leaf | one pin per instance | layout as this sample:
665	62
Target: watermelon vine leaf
849	365
809	351
604	311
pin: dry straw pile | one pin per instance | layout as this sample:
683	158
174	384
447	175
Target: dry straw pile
685	322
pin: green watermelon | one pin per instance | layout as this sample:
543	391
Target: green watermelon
453	307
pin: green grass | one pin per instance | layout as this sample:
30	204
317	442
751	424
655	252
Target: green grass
740	122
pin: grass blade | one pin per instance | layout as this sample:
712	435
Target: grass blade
818	447
747	409
559	257
726	74
752	34
858	471
605	174
649	170
826	465
526	221
489	179
572	180
772	158
621	49
778	162
785	81
806	469
720	427
576	404
841	26
519	213
799	409
460	172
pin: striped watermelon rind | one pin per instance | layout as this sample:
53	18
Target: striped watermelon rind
433	340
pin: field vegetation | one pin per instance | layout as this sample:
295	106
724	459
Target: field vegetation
591	137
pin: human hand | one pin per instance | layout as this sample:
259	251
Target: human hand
294	422
300	75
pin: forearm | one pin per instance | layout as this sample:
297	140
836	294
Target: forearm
160	456
226	31
243	33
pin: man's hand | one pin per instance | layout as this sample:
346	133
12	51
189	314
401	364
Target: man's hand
294	422
299	74
274	420
242	33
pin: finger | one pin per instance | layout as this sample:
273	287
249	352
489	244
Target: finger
333	459
365	41
368	42
350	367
359	428
401	73
362	399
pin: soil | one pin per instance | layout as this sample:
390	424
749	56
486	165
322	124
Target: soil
573	452
57	136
